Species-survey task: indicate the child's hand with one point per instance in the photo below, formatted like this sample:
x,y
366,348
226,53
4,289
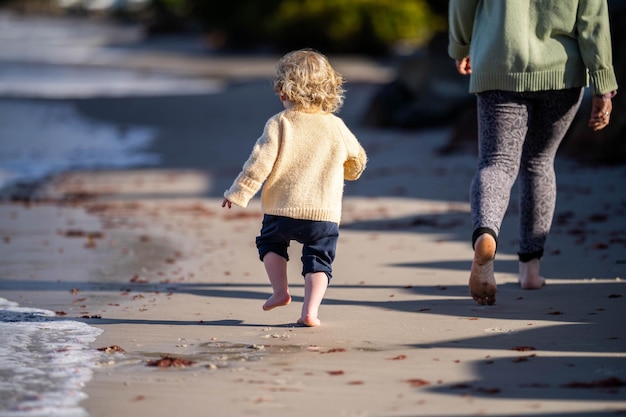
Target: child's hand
x,y
226,202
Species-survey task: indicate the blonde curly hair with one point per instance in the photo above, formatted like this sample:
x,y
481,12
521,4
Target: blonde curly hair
x,y
306,78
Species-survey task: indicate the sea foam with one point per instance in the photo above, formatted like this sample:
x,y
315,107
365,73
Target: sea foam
x,y
45,362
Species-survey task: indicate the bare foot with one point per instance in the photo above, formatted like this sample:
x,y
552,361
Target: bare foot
x,y
277,300
482,282
309,321
529,278
315,284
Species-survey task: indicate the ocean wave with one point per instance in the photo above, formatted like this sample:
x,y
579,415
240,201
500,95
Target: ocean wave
x,y
44,362
44,138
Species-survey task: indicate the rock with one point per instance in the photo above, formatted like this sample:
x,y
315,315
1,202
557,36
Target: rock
x,y
426,92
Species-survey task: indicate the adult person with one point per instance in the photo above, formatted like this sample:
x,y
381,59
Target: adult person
x,y
528,62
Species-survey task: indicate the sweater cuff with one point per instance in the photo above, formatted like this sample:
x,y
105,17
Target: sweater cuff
x,y
242,191
608,96
603,81
458,51
354,167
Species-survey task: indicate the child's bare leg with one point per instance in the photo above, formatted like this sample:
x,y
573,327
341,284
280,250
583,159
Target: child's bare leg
x,y
276,268
482,282
529,278
315,284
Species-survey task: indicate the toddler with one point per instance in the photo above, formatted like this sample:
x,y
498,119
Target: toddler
x,y
301,160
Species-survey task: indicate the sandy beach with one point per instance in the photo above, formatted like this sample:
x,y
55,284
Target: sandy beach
x,y
149,256
179,277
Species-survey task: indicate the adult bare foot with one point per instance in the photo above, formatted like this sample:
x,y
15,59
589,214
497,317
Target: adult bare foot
x,y
309,321
277,300
529,278
482,282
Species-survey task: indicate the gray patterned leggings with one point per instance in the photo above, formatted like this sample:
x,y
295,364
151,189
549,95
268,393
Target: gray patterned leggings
x,y
519,133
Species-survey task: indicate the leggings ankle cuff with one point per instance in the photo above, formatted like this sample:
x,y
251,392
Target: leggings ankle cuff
x,y
527,257
482,231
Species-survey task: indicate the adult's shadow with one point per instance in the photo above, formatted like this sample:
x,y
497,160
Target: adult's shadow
x,y
563,342
554,267
531,376
39,317
454,225
79,288
160,322
582,317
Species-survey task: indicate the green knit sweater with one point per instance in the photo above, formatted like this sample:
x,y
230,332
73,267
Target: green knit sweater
x,y
301,161
533,45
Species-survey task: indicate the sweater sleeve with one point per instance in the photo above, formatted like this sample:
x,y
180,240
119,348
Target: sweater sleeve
x,y
356,158
258,166
594,40
461,24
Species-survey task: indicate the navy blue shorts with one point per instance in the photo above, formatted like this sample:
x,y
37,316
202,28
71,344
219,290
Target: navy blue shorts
x,y
319,240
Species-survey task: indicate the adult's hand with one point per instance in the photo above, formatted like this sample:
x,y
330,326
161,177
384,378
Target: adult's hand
x,y
600,112
463,66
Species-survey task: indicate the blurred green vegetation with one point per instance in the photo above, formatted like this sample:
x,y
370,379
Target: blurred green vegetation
x,y
346,26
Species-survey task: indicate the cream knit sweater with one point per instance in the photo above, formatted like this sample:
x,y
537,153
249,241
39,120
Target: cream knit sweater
x,y
301,160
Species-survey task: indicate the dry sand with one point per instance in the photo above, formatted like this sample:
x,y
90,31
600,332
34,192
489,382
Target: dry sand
x,y
150,257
